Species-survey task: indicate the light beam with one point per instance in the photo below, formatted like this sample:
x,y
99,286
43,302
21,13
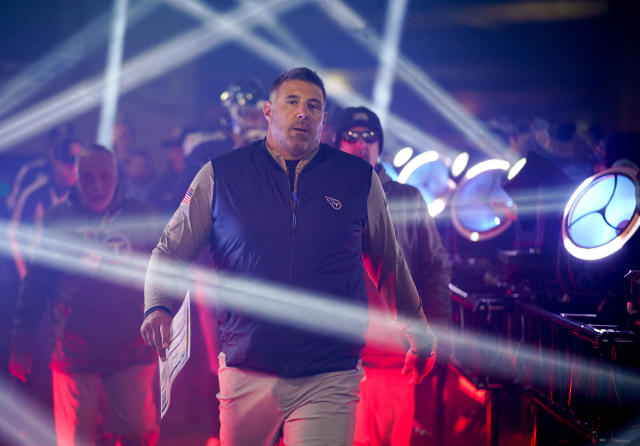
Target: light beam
x,y
504,357
141,69
112,73
415,78
65,56
396,11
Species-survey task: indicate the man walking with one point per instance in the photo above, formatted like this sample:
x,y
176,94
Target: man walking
x,y
97,348
290,211
386,408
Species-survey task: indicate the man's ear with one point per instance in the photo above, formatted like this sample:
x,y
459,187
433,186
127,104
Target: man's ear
x,y
266,110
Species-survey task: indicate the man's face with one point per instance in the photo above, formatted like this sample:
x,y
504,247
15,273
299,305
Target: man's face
x,y
295,112
97,180
353,142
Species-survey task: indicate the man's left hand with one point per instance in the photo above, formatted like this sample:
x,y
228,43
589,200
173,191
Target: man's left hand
x,y
418,366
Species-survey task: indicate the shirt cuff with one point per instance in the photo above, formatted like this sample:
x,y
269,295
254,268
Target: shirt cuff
x,y
157,307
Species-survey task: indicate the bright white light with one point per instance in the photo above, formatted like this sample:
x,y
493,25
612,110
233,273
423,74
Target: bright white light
x,y
150,65
382,89
618,242
336,82
415,78
24,422
112,74
596,253
180,50
444,103
278,30
517,167
485,166
24,425
436,206
294,52
529,201
402,156
403,130
459,164
497,221
503,203
61,59
317,312
414,164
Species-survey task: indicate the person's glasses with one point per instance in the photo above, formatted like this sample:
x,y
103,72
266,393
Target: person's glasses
x,y
368,136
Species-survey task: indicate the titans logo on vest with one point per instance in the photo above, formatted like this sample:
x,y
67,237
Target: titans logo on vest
x,y
333,202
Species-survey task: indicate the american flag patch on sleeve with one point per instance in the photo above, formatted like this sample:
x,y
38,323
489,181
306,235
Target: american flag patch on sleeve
x,y
187,197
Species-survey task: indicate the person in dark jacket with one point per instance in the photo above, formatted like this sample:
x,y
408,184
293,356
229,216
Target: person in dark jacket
x,y
385,412
290,211
96,318
39,185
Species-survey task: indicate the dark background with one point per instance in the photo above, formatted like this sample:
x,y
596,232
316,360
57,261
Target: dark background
x,y
558,60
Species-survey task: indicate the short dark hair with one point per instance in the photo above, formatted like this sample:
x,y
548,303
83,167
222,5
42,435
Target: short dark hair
x,y
301,74
96,148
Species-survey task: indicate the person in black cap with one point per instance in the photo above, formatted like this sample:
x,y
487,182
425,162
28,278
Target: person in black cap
x,y
385,412
40,184
358,132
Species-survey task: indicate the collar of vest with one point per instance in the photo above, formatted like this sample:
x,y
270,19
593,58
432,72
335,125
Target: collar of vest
x,y
316,156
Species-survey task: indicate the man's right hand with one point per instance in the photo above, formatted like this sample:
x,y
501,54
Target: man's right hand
x,y
20,365
155,331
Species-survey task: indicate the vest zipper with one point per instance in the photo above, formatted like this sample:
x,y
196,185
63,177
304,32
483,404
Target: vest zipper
x,y
294,206
294,224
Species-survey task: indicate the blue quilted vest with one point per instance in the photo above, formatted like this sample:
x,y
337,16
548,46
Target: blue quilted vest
x,y
308,241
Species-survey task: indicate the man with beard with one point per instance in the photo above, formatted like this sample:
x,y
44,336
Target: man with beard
x,y
96,316
290,211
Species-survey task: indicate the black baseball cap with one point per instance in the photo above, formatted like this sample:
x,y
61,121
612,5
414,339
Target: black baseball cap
x,y
357,117
67,149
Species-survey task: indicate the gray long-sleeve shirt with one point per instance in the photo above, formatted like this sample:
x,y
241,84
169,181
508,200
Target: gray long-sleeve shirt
x,y
190,228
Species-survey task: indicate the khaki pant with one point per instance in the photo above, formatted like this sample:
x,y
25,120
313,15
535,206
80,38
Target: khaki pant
x,y
129,392
257,408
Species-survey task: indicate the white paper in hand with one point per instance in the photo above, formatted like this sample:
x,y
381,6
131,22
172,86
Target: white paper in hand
x,y
177,353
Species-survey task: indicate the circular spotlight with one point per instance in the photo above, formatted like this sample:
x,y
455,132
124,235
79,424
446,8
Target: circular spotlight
x,y
430,175
402,156
602,214
416,163
486,166
459,164
479,203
